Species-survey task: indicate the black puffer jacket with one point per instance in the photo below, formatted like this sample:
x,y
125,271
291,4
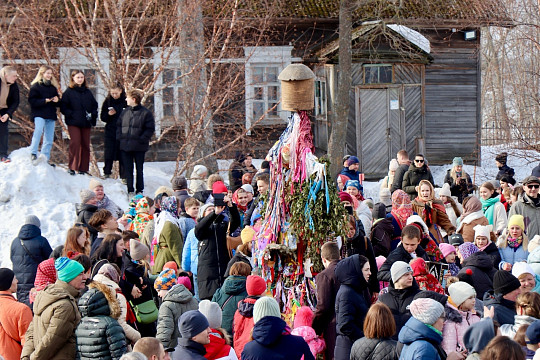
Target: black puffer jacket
x,y
99,335
110,120
84,213
494,254
462,189
412,178
398,254
398,300
505,310
25,265
37,96
12,100
211,232
134,128
483,271
76,103
364,348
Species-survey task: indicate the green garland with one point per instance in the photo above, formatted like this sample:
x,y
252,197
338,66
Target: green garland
x,y
325,226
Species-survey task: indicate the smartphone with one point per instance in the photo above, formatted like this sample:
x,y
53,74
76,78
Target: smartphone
x,y
219,200
111,108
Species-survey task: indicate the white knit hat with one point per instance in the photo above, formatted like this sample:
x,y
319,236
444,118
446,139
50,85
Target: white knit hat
x,y
394,165
460,291
213,313
521,268
445,190
398,269
426,310
483,230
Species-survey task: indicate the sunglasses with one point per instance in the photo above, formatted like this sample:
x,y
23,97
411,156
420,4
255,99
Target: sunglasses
x,y
533,186
418,161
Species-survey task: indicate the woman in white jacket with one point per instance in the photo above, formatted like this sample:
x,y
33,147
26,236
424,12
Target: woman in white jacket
x,y
109,276
492,207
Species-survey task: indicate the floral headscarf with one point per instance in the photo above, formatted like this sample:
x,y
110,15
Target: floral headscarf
x,y
142,218
170,205
401,207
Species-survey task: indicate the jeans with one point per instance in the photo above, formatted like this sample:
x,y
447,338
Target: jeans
x,y
43,127
128,157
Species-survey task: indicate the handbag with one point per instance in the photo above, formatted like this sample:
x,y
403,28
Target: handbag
x,y
232,241
146,312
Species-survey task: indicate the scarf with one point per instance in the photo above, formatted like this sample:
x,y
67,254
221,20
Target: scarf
x,y
4,89
488,207
514,243
235,200
484,247
401,207
471,206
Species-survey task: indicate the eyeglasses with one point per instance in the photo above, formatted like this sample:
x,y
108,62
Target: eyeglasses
x,y
533,186
419,160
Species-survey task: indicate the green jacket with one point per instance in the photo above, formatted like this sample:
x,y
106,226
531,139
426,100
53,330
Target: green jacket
x,y
170,246
228,296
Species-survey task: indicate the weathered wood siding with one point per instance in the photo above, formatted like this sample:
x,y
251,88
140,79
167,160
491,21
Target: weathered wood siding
x,y
452,98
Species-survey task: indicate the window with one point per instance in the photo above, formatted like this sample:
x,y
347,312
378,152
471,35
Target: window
x,y
172,99
91,79
265,91
378,74
320,97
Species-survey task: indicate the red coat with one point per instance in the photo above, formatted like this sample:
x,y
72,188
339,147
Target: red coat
x,y
15,317
217,348
243,325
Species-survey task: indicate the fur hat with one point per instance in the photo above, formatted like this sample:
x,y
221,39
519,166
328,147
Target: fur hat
x,y
398,269
460,291
86,195
394,165
265,306
457,161
445,190
483,230
304,317
446,249
426,310
502,157
192,323
179,182
164,189
94,183
137,250
352,160
219,188
247,234
518,220
32,220
6,278
213,313
255,285
165,280
504,282
467,249
521,268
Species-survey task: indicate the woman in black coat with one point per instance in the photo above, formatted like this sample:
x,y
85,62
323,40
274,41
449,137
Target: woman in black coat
x,y
110,112
44,99
379,327
352,303
211,232
134,129
80,111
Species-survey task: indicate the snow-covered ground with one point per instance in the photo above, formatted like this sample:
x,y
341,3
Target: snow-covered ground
x,y
51,193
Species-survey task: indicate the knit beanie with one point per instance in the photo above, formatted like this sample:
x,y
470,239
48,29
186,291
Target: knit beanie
x,y
502,157
255,285
110,272
466,276
460,291
137,250
521,268
446,249
86,195
184,280
32,220
165,280
265,306
304,317
94,183
455,239
504,282
202,210
247,234
192,323
247,188
398,269
343,196
380,261
67,269
457,161
484,230
171,265
353,183
352,160
467,249
164,189
394,165
6,278
179,182
213,313
378,211
385,196
518,220
426,310
219,188
445,190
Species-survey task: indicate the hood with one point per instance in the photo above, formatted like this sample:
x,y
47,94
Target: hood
x,y
414,330
234,285
453,314
349,272
245,307
99,300
490,298
60,290
105,280
29,231
268,330
534,256
85,207
478,335
178,294
418,266
523,320
480,260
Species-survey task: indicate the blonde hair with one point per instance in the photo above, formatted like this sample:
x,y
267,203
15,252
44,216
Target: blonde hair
x,y
506,234
39,76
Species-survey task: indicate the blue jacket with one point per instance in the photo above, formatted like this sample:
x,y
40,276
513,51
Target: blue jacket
x,y
272,340
190,253
186,223
25,265
188,349
421,342
353,175
512,256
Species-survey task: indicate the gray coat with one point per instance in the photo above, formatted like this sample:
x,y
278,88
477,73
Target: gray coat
x,y
177,301
378,349
525,206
